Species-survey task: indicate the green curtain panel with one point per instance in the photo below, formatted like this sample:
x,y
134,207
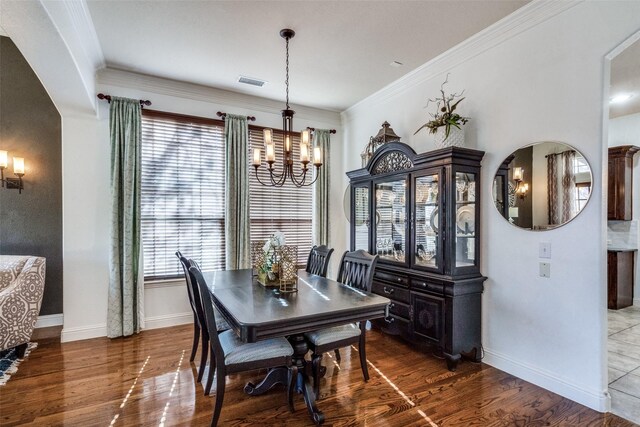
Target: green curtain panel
x,y
125,302
322,139
237,237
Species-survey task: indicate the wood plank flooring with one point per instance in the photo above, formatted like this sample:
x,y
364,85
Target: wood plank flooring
x,y
147,380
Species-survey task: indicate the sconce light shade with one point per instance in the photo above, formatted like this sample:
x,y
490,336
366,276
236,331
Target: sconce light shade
x,y
18,165
518,173
18,170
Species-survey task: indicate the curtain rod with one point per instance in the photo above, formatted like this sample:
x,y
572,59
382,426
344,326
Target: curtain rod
x,y
330,130
223,115
143,102
562,152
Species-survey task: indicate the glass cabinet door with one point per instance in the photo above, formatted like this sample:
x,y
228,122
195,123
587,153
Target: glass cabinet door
x,y
390,220
465,219
361,218
427,221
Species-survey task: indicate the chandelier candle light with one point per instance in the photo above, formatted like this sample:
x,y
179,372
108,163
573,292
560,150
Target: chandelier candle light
x,y
279,179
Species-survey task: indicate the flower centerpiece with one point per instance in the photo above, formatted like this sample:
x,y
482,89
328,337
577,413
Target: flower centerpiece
x,y
269,263
446,123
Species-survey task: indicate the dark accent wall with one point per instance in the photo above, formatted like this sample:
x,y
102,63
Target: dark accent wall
x,y
30,127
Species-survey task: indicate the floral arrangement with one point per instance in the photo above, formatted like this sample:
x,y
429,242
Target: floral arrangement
x,y
445,112
269,266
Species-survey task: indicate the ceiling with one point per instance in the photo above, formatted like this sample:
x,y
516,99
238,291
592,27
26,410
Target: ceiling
x,y
625,78
340,54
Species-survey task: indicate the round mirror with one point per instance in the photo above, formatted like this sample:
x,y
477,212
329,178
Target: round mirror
x,y
542,186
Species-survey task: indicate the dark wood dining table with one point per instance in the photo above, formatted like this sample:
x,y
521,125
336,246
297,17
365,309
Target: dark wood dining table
x,y
256,312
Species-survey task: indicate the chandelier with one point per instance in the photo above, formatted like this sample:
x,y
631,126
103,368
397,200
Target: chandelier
x,y
278,179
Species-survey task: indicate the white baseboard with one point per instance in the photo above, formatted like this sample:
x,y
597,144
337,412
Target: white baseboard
x,y
594,399
636,302
97,331
83,333
49,320
168,320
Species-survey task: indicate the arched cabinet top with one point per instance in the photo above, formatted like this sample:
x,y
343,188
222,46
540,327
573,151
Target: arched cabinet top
x,y
392,157
398,156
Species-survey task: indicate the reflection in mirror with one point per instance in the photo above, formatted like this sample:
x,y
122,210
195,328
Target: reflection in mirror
x,y
542,186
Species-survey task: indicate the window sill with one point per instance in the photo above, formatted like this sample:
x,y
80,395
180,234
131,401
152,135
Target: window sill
x,y
163,283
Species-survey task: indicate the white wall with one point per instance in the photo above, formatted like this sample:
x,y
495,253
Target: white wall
x,y
86,153
625,130
539,79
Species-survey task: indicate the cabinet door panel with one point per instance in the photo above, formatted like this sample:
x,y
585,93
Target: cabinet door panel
x,y
427,221
391,220
428,316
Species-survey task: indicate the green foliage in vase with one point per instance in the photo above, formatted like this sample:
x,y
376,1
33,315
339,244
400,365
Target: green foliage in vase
x,y
445,112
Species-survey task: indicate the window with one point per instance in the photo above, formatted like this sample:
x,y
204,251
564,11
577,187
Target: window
x,y
582,194
183,193
288,208
582,173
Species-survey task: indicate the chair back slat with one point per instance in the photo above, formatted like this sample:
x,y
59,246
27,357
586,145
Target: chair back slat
x,y
318,261
192,289
356,269
207,307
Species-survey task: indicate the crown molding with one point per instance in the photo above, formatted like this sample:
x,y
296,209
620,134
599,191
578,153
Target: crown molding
x,y
528,16
195,92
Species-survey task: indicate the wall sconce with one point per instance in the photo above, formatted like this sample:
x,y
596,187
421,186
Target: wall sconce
x,y
522,188
18,170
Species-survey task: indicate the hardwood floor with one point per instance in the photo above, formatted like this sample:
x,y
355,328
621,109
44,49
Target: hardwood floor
x,y
147,380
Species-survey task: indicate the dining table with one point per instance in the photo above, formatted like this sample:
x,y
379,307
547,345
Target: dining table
x,y
256,312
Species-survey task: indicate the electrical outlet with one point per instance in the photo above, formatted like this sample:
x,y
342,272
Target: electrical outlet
x,y
545,250
545,269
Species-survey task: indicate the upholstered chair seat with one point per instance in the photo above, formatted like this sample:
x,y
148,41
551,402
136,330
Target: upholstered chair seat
x,y
330,335
235,351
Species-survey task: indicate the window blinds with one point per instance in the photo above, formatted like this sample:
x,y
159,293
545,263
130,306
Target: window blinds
x,y
288,208
182,193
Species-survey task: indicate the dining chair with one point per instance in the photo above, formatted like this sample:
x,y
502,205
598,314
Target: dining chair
x,y
233,356
199,322
318,261
356,270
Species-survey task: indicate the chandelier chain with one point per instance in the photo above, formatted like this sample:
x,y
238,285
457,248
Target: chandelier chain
x,y
286,82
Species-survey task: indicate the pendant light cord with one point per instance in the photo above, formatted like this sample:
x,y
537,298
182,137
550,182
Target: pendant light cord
x,y
286,82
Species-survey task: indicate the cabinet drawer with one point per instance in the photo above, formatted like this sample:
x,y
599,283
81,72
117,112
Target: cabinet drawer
x,y
424,285
393,320
397,279
399,309
391,291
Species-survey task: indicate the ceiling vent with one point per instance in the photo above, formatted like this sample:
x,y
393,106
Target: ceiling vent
x,y
250,81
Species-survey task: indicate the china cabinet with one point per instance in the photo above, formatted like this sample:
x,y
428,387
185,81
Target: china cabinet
x,y
421,214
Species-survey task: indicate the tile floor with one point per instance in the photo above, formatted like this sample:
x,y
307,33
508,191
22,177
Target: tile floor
x,y
624,362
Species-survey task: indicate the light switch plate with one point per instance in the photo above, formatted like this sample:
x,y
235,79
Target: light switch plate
x,y
545,269
545,250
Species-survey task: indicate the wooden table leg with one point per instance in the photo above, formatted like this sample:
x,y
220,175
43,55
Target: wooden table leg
x,y
303,383
275,376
